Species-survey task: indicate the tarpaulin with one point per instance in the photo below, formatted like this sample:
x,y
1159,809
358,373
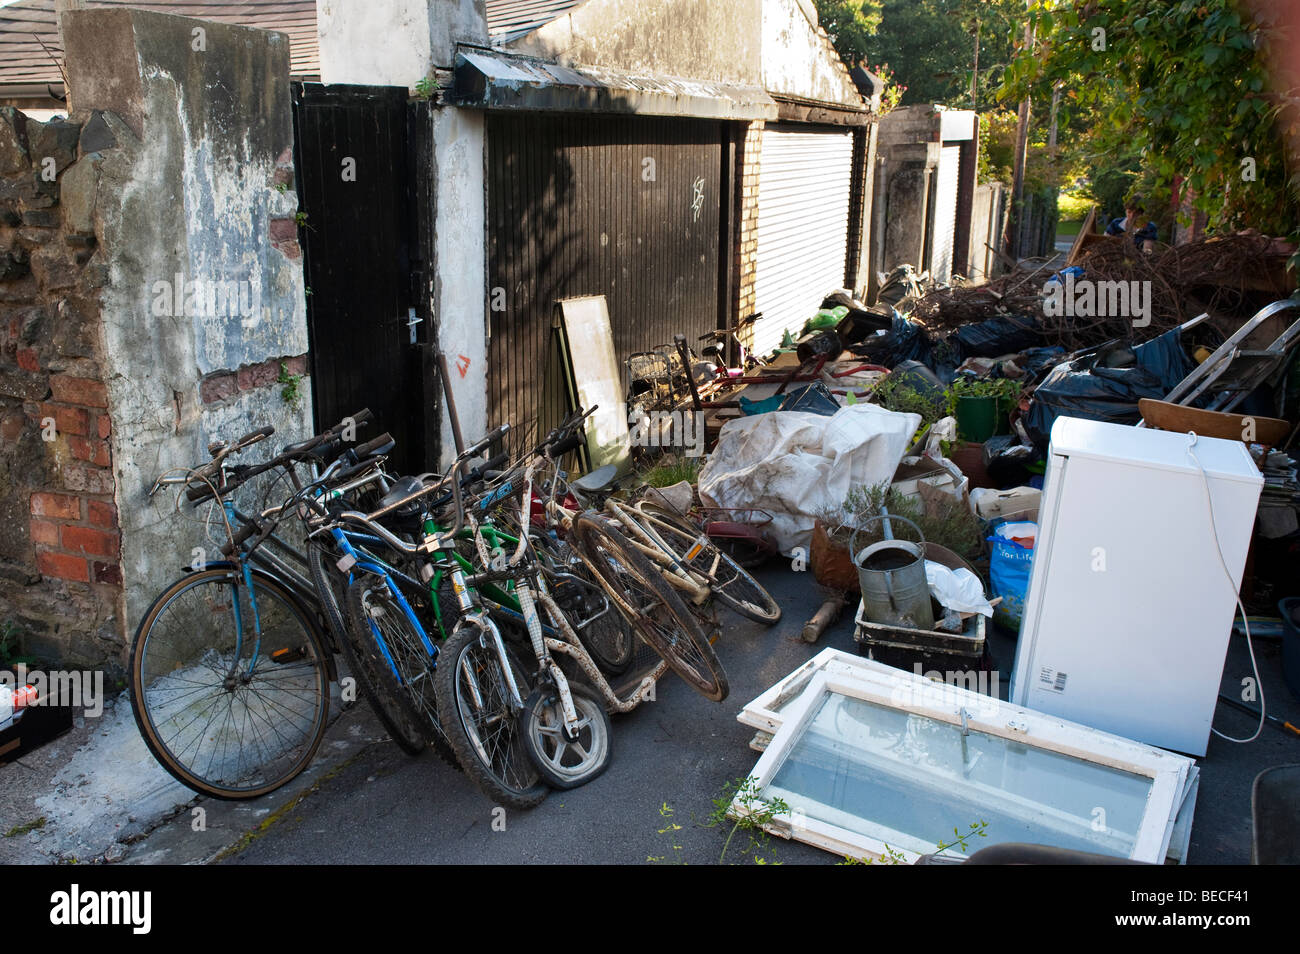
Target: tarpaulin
x,y
796,465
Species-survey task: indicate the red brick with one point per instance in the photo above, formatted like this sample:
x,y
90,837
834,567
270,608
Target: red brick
x,y
27,359
85,391
258,375
88,480
296,365
67,420
107,573
94,451
290,250
63,566
284,230
103,425
101,513
90,541
218,387
61,506
45,533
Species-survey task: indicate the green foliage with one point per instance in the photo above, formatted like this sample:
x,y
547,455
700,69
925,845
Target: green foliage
x,y
755,814
424,89
32,825
960,840
850,25
1073,206
894,394
947,521
290,390
673,470
10,636
1006,390
1181,85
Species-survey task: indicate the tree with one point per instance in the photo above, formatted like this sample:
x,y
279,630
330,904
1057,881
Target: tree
x,y
850,25
1183,85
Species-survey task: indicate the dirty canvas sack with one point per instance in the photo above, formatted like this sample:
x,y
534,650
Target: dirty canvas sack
x,y
796,465
1011,557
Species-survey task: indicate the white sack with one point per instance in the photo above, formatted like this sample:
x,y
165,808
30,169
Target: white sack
x,y
794,464
959,589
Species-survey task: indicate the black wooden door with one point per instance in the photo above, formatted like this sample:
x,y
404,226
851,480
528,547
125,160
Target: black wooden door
x,y
631,208
366,258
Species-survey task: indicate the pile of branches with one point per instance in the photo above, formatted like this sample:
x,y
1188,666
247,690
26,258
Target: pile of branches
x,y
1228,277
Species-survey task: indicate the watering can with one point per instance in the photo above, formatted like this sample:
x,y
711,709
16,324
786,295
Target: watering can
x,y
892,575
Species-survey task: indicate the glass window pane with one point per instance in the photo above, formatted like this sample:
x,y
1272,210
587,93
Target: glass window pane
x,y
861,766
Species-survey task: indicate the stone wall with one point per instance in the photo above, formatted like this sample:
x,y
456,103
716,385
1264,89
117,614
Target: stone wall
x,y
151,300
60,572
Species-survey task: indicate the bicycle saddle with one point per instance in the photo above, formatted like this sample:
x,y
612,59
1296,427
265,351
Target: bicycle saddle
x,y
406,517
599,479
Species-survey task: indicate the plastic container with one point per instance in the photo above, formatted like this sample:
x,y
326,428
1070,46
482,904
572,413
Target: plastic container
x,y
1289,609
977,418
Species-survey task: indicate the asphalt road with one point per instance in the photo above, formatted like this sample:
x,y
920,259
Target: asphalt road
x,y
677,754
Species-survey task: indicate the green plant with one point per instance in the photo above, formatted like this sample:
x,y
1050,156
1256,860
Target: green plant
x,y
894,394
893,856
424,89
290,390
301,219
755,813
282,187
670,828
10,634
1006,390
24,829
673,470
945,520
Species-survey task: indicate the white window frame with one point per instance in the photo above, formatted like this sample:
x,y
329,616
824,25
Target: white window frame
x,y
880,685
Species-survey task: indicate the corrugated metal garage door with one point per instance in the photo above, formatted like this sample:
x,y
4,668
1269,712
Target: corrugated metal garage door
x,y
625,207
804,184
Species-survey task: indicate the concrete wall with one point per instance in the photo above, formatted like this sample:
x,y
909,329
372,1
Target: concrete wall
x,y
798,58
194,213
394,42
717,40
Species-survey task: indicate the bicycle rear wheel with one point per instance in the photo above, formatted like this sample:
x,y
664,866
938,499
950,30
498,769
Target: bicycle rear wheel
x,y
651,605
730,582
224,712
390,648
331,590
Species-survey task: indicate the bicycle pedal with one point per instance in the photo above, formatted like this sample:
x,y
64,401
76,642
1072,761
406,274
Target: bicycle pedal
x,y
288,654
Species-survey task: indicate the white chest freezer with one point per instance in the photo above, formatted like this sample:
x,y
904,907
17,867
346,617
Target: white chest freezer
x,y
1129,610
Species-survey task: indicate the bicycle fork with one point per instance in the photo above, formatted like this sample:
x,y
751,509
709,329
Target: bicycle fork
x,y
473,615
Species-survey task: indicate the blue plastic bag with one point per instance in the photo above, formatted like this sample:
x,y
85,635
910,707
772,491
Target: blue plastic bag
x,y
1009,566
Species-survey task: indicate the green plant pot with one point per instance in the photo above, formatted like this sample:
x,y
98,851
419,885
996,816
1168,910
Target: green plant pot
x,y
977,418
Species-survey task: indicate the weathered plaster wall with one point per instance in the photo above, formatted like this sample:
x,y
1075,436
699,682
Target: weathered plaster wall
x,y
461,294
798,59
393,42
704,39
195,214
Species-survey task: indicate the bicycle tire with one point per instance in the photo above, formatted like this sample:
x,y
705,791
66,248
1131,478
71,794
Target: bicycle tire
x,y
331,591
373,615
610,640
487,740
542,727
636,585
731,583
181,670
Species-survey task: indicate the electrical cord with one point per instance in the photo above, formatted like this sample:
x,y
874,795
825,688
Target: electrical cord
x,y
1245,622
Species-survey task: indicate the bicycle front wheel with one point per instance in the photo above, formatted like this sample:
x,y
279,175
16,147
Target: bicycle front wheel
x,y
651,605
731,583
224,711
482,721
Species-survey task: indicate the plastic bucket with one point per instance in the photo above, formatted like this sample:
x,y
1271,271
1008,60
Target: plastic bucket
x,y
977,418
891,574
1289,608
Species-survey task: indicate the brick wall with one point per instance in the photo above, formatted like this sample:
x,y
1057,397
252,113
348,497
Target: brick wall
x,y
750,155
60,573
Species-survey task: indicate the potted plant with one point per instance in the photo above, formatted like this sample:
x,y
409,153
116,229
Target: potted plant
x,y
982,406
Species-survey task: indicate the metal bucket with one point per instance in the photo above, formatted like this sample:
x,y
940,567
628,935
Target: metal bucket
x,y
892,575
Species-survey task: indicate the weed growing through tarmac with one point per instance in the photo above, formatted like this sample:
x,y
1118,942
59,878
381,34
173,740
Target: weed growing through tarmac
x,y
757,812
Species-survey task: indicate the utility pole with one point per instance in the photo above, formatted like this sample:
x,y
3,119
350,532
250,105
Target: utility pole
x,y
975,70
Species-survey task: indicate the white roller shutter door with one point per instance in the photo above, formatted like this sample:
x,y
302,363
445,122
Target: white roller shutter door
x,y
804,185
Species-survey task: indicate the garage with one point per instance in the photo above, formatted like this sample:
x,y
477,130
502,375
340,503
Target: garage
x,y
804,193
